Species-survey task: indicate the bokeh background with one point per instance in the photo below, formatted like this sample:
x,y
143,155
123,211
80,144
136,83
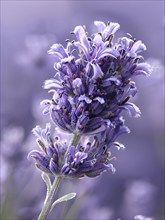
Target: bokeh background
x,y
28,29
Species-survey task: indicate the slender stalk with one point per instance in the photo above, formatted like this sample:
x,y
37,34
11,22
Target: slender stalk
x,y
49,200
75,139
74,142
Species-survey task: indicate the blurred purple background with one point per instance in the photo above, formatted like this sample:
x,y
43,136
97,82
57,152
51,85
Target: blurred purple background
x,y
28,29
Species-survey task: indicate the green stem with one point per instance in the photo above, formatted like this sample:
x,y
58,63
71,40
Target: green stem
x,y
49,200
75,139
74,142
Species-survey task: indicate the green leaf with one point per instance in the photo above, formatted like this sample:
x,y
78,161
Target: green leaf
x,y
64,199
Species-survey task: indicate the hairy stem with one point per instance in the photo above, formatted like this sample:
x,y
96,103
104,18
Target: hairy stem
x,y
49,199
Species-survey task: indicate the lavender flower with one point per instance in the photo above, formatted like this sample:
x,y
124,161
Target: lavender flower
x,y
90,90
138,198
34,53
93,86
90,158
89,94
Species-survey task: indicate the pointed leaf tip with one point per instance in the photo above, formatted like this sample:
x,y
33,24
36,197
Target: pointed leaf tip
x,y
64,199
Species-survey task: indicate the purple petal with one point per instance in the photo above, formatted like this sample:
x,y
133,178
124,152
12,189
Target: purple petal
x,y
95,125
100,99
51,151
97,72
56,117
46,110
115,80
98,40
112,168
37,131
126,43
138,47
91,88
42,162
82,120
97,170
35,154
132,109
120,131
79,32
100,26
83,48
80,157
97,107
45,102
72,151
42,133
119,145
52,83
47,106
67,59
142,69
76,83
110,29
53,167
107,52
82,38
58,50
79,109
85,98
65,169
86,166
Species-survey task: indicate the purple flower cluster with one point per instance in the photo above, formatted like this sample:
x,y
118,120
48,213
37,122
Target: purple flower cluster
x,y
94,85
91,88
88,158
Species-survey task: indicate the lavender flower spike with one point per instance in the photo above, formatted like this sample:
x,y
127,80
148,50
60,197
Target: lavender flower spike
x,y
91,88
94,86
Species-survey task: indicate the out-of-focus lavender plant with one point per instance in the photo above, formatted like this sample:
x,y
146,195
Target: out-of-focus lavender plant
x,y
91,88
139,198
11,140
14,140
34,53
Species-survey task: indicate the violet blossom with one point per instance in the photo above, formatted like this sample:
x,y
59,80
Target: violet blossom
x,y
91,88
89,94
90,159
